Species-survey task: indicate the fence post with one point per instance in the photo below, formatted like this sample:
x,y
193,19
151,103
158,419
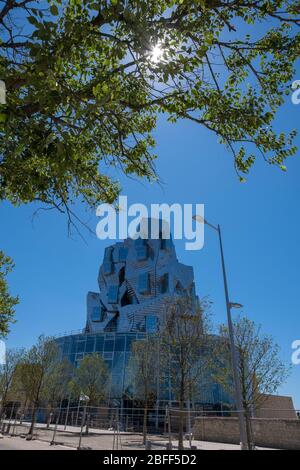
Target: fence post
x,y
3,422
78,407
82,424
117,436
66,420
88,416
169,428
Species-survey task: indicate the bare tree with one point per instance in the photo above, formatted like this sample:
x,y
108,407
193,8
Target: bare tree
x,y
261,369
57,386
7,371
143,366
90,379
33,374
184,339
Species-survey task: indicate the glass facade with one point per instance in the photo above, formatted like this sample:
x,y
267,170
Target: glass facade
x,y
96,314
122,254
114,348
144,283
108,267
151,324
112,296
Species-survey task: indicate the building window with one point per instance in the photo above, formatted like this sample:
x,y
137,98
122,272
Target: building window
x,y
144,283
126,299
138,242
80,346
108,253
193,290
141,249
107,268
122,275
166,244
109,345
112,295
107,263
66,347
99,344
96,314
164,283
151,323
142,253
90,344
118,361
120,343
108,356
122,254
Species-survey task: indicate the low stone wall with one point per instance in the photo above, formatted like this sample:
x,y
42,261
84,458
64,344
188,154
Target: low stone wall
x,y
273,433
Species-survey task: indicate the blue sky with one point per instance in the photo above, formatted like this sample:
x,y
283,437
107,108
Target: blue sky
x,y
260,221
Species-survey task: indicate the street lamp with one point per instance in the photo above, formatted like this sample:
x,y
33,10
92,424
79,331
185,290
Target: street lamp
x,y
229,306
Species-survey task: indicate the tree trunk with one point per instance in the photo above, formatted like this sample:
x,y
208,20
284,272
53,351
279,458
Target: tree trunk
x,y
248,428
181,420
48,419
145,424
33,420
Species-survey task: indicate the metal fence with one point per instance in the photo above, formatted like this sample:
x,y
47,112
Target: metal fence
x,y
116,428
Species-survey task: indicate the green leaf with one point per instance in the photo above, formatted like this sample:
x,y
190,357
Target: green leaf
x,y
54,10
32,20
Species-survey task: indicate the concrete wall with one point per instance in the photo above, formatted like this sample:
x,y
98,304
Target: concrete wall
x,y
273,433
276,406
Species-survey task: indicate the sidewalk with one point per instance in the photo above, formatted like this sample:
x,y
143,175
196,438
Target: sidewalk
x,y
17,443
107,439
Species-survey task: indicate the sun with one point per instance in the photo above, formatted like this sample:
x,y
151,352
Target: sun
x,y
156,52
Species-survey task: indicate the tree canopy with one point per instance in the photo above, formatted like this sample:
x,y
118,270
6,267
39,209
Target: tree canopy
x,y
87,79
261,368
91,379
7,301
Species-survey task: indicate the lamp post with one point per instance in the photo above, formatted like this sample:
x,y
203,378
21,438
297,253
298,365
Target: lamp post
x,y
234,359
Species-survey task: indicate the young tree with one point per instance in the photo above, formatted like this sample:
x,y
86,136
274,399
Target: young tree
x,y
90,379
142,377
13,358
260,367
57,385
37,369
184,345
86,80
7,302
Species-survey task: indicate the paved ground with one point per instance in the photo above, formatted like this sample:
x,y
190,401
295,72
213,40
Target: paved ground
x,y
17,443
97,439
127,442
